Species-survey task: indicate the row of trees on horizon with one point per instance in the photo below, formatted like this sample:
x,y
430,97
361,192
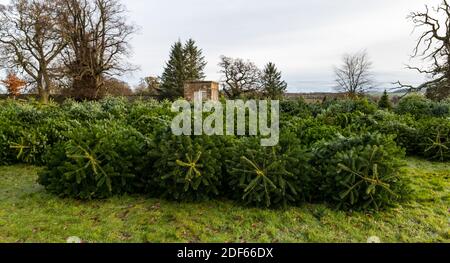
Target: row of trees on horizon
x,y
79,48
240,78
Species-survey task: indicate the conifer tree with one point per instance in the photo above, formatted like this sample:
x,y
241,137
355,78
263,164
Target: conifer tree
x,y
185,63
384,102
273,86
173,77
195,61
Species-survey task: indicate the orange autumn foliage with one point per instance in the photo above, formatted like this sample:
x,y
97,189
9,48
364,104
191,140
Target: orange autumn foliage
x,y
13,84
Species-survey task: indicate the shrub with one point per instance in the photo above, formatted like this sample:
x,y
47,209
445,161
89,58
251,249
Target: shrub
x,y
150,116
29,130
416,105
23,114
97,161
434,138
84,111
22,144
348,106
185,168
309,130
359,172
352,114
440,109
4,148
268,176
30,146
341,119
7,131
115,107
402,127
297,107
420,107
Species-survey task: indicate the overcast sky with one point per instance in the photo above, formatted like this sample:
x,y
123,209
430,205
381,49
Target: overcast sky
x,y
304,38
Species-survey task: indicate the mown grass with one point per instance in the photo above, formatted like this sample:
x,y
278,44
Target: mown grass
x,y
29,214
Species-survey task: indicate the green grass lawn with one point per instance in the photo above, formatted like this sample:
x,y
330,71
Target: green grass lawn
x,y
29,214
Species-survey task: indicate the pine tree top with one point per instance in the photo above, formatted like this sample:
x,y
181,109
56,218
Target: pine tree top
x,y
186,63
273,85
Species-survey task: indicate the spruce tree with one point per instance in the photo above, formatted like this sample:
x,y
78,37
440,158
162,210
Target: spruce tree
x,y
173,77
384,102
195,62
273,86
185,63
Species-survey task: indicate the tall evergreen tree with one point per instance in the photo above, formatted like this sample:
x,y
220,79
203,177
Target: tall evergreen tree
x,y
185,63
384,102
273,86
173,76
195,61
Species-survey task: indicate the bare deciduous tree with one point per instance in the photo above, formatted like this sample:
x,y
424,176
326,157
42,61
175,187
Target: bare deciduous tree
x,y
97,34
116,88
149,86
30,41
353,76
240,77
433,45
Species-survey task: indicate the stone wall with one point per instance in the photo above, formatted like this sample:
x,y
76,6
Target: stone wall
x,y
210,90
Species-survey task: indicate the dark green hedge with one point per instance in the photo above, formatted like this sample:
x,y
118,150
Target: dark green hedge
x,y
345,153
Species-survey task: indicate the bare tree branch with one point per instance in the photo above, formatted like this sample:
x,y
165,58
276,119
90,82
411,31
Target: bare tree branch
x,y
353,76
240,77
30,41
433,45
97,33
